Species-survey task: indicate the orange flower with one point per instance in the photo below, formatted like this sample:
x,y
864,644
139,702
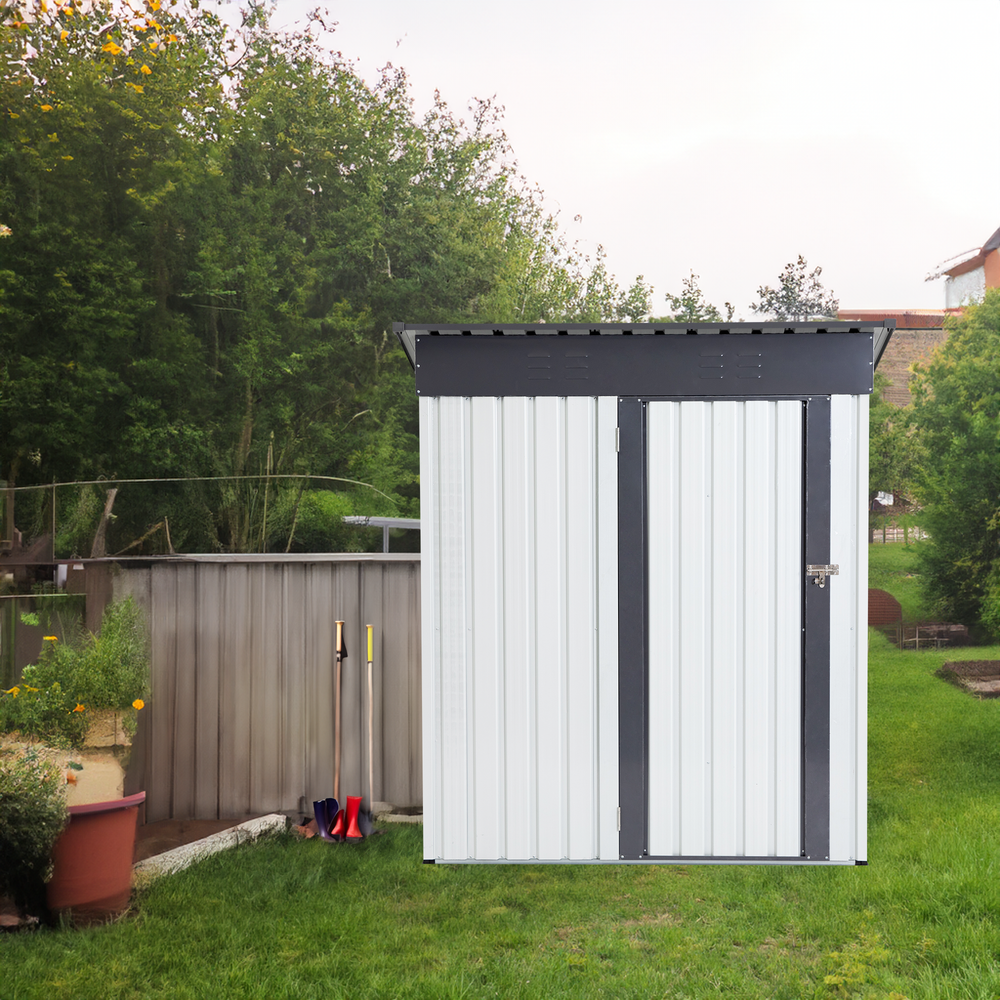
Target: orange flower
x,y
138,704
51,638
79,708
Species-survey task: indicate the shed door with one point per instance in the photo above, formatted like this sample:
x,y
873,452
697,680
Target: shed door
x,y
728,742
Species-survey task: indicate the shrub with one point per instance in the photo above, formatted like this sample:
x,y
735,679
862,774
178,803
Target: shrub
x,y
48,712
114,667
32,815
109,670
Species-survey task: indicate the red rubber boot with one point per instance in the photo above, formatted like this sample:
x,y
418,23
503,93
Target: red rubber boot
x,y
353,830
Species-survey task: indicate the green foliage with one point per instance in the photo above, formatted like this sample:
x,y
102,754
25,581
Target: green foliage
x,y
691,306
312,521
32,815
114,664
800,296
892,454
109,670
44,704
956,417
43,709
205,257
895,568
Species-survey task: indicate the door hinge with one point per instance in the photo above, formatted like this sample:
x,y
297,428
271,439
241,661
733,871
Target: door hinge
x,y
820,572
618,439
619,819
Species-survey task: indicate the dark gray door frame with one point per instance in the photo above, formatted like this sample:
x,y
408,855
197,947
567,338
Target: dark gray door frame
x,y
633,630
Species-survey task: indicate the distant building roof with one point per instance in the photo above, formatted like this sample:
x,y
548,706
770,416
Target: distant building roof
x,y
906,319
966,261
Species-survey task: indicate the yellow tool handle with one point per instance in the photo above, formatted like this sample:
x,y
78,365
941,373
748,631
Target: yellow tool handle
x,y
340,636
370,630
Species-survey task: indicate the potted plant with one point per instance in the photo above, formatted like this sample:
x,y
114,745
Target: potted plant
x,y
32,816
92,856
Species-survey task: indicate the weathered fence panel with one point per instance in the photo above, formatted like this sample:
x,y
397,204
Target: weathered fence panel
x,y
241,716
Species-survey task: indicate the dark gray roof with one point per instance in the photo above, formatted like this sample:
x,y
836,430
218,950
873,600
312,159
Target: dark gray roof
x,y
881,330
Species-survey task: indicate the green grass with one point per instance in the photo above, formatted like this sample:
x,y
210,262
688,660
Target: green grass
x,y
290,918
893,567
305,919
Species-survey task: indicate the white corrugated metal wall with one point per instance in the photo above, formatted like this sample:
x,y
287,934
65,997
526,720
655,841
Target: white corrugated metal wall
x,y
520,589
725,628
519,586
849,628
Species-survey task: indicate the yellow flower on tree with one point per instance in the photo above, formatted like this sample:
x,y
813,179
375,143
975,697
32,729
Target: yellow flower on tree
x,y
51,638
13,691
145,69
112,48
138,704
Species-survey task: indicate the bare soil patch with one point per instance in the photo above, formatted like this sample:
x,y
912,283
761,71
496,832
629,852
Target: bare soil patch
x,y
979,677
95,773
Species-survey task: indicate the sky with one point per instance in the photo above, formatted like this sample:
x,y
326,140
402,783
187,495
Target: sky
x,y
726,137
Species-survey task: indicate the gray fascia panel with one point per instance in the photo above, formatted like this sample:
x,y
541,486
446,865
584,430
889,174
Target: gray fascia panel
x,y
407,333
808,363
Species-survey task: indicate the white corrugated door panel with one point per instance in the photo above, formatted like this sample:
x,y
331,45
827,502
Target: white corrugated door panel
x,y
513,678
606,546
520,813
549,503
484,604
430,635
788,584
579,671
444,582
725,572
848,626
727,567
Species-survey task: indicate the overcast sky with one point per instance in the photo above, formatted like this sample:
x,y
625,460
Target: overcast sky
x,y
727,136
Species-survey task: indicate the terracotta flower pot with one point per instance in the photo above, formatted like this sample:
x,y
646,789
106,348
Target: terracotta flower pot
x,y
93,860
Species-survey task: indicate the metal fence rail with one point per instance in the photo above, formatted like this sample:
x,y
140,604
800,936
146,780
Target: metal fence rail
x,y
240,720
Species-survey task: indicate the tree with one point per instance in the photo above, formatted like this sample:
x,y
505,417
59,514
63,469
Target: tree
x,y
956,416
207,234
691,306
799,296
891,452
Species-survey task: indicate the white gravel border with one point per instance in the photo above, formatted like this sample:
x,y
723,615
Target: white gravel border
x,y
182,857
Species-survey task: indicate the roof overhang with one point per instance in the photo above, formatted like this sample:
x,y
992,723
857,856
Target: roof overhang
x,y
636,359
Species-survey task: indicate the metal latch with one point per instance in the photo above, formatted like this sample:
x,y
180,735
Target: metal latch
x,y
822,572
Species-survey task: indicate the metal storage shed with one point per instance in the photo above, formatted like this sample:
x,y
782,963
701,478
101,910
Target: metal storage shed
x,y
644,591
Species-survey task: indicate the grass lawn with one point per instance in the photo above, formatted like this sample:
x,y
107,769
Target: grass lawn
x,y
893,567
304,919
